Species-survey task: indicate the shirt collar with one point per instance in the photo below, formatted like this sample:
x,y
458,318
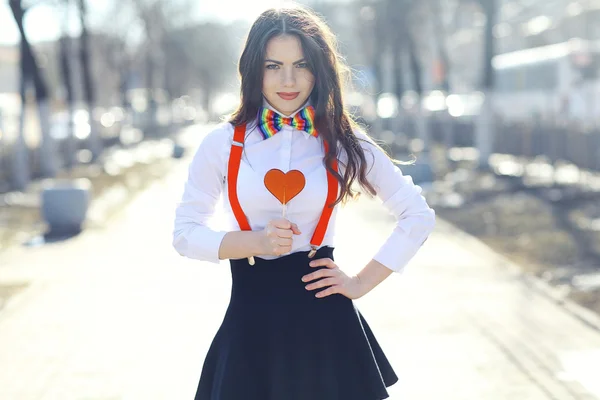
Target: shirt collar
x,y
266,104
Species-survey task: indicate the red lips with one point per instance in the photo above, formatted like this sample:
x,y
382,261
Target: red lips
x,y
288,95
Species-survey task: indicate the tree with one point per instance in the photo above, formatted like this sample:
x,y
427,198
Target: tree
x,y
30,72
484,129
214,59
402,31
439,33
89,90
65,56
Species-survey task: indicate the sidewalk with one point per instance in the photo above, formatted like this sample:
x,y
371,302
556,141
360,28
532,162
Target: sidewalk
x,y
116,314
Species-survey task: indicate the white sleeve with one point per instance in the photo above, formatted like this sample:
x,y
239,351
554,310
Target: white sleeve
x,y
191,236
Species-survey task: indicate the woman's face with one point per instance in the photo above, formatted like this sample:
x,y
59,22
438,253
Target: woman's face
x,y
287,80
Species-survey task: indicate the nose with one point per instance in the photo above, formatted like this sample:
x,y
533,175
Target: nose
x,y
288,77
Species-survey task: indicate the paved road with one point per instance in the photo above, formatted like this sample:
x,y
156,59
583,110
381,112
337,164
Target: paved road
x,y
116,314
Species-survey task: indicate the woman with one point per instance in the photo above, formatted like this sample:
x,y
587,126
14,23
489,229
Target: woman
x,y
291,331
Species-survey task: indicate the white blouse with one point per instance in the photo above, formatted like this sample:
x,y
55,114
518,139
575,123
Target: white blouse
x,y
290,149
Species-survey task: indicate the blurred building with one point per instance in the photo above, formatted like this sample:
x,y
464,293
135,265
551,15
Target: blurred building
x,y
535,23
520,25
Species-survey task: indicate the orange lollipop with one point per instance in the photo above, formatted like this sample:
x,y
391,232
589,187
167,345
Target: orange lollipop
x,y
284,186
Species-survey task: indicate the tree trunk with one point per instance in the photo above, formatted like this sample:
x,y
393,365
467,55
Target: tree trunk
x,y
444,66
397,60
440,45
415,66
48,162
485,128
65,69
207,95
20,173
31,71
124,75
380,45
377,63
417,75
89,91
150,120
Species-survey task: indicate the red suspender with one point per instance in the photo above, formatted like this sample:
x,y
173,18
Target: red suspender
x,y
235,158
332,192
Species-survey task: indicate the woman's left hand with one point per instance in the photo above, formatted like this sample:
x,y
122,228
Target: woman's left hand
x,y
335,278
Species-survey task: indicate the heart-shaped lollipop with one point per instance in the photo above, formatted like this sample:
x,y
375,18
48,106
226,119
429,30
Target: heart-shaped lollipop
x,y
284,186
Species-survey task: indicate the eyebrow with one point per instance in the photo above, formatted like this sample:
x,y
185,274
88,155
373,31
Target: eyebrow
x,y
280,63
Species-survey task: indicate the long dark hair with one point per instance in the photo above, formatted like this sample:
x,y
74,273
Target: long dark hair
x,y
320,51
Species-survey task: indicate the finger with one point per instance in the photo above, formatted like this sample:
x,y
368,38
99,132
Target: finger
x,y
284,242
284,233
282,223
321,283
279,250
322,273
323,262
283,250
296,230
329,291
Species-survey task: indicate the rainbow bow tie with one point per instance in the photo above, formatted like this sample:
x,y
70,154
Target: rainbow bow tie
x,y
269,122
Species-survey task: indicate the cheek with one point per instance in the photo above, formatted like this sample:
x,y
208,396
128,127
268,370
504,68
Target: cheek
x,y
308,78
269,80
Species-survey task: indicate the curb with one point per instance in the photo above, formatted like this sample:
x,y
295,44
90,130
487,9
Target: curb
x,y
588,317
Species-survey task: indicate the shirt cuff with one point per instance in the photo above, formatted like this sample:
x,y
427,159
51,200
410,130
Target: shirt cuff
x,y
200,243
396,252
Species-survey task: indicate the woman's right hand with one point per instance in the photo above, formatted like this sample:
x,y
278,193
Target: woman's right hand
x,y
277,237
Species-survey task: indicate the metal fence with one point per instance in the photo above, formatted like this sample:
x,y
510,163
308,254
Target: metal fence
x,y
570,143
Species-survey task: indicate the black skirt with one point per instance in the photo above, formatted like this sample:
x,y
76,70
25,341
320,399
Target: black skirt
x,y
280,342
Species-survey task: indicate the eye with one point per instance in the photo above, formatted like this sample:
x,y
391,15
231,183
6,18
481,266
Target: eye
x,y
272,66
302,65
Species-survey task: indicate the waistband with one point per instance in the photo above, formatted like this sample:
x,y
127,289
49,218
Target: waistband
x,y
299,257
278,280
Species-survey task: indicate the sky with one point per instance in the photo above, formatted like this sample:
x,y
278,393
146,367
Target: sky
x,y
42,22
